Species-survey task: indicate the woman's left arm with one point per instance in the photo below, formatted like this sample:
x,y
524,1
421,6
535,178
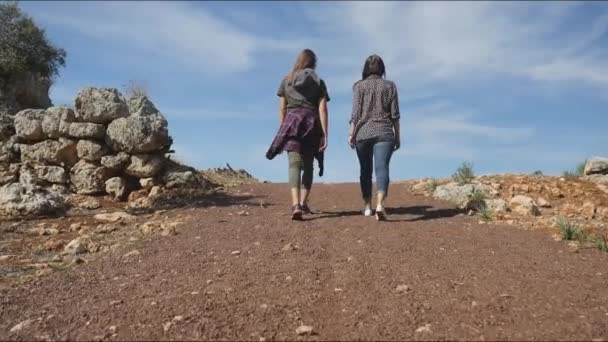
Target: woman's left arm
x,y
324,122
395,116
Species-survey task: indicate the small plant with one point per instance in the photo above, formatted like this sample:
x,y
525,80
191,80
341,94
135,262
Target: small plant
x,y
464,174
569,175
431,185
537,173
569,229
135,89
485,214
580,169
601,244
477,201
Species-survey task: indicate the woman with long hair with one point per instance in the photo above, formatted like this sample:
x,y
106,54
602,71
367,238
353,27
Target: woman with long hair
x,y
303,127
374,131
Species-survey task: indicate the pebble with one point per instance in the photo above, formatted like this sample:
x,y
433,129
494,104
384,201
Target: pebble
x,y
5,257
424,329
178,319
288,278
22,325
114,217
289,247
264,306
304,330
132,253
403,288
167,326
235,252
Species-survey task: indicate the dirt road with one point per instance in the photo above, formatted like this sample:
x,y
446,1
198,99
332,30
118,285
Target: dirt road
x,y
249,273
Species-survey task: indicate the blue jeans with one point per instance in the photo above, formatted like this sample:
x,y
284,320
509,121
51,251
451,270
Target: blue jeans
x,y
378,152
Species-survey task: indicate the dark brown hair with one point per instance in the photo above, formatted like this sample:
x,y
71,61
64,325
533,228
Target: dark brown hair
x,y
373,66
305,59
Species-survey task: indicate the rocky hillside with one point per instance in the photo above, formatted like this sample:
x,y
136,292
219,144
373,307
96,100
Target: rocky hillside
x,y
554,204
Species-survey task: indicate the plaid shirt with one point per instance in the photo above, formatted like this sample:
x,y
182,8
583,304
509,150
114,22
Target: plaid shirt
x,y
300,132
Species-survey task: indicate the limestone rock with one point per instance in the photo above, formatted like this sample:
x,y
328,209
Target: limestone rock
x,y
179,176
9,173
457,194
56,122
100,105
141,106
7,126
51,174
88,178
146,183
75,247
26,200
497,205
116,187
155,191
51,152
116,162
28,125
596,165
91,150
114,217
86,130
543,203
524,205
588,210
9,150
145,165
597,178
139,134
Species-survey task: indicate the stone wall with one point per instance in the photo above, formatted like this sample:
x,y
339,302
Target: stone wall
x,y
106,145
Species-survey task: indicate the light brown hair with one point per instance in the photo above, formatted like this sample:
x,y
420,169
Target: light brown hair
x,y
305,59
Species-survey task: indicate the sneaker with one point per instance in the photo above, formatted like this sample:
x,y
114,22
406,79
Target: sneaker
x,y
306,210
380,214
368,211
296,213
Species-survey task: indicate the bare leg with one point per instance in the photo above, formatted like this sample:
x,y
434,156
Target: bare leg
x,y
305,194
380,201
295,196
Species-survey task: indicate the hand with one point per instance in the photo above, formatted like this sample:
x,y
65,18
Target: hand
x,y
397,144
351,141
323,144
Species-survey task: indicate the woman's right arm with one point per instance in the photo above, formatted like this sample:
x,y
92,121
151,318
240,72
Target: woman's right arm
x,y
395,116
282,109
355,115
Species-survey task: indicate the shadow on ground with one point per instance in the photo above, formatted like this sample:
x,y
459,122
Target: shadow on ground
x,y
423,213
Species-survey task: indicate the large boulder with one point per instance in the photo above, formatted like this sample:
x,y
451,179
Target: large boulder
x,y
9,150
88,178
497,205
176,175
596,165
7,126
524,205
56,122
91,150
456,194
116,163
141,106
51,174
144,131
28,125
145,165
19,200
86,130
100,105
51,152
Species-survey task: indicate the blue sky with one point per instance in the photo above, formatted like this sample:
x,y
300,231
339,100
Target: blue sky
x,y
513,87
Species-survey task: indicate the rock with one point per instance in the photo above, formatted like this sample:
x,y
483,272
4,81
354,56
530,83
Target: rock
x,y
595,165
588,210
137,195
9,173
497,205
75,247
403,288
424,329
524,205
87,130
145,165
56,122
83,202
28,125
9,150
155,191
51,174
132,253
116,162
91,150
304,330
289,247
138,134
543,203
114,217
100,105
7,126
116,187
51,152
597,178
88,178
19,200
569,210
22,325
573,247
146,183
456,194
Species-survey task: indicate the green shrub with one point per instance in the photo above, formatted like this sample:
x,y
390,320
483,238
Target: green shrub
x,y
485,214
601,244
24,47
537,173
464,174
580,169
431,185
569,230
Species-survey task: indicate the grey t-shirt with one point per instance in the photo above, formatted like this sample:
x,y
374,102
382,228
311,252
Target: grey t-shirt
x,y
309,98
